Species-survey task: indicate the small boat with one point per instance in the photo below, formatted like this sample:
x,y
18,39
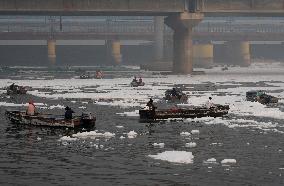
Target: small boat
x,y
225,68
261,97
17,90
137,84
179,96
86,120
147,115
85,76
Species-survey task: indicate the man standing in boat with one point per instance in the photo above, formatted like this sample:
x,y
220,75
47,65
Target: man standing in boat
x,y
152,108
209,103
151,105
68,113
31,109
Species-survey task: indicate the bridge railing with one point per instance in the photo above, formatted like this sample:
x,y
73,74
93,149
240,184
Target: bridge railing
x,y
124,27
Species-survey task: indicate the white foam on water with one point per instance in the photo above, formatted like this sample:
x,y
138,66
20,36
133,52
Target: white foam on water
x,y
182,157
121,94
57,106
228,161
132,134
160,145
12,104
195,132
245,123
211,160
185,134
129,114
190,145
93,135
67,138
119,126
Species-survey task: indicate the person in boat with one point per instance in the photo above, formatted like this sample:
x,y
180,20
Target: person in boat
x,y
151,105
68,113
31,109
99,74
209,103
12,87
135,80
175,93
140,81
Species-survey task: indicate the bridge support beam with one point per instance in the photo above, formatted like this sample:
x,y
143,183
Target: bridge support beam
x,y
203,55
183,50
51,51
159,38
238,53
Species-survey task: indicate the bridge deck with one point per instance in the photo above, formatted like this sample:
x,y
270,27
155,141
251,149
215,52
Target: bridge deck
x,y
142,7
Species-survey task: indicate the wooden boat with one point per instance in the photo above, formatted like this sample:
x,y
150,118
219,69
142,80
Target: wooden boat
x,y
85,76
261,97
17,90
137,84
179,98
86,120
191,112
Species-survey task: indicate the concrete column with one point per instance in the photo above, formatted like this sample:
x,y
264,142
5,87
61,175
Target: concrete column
x,y
239,52
203,55
116,52
183,51
159,38
51,51
113,52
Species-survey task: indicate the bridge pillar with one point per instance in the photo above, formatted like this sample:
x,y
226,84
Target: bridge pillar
x,y
183,51
239,52
116,52
203,55
159,38
51,51
113,48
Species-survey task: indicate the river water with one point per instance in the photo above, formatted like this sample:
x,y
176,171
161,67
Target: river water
x,y
122,150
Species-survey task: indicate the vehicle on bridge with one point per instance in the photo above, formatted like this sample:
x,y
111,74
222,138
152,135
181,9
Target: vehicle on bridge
x,y
261,97
86,120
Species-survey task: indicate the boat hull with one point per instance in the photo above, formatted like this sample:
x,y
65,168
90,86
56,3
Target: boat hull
x,y
194,112
18,117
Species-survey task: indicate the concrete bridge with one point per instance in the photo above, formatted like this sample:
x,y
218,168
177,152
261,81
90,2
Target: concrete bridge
x,y
182,16
142,7
117,29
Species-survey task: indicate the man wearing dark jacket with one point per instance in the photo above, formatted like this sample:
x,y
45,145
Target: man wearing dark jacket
x,y
68,113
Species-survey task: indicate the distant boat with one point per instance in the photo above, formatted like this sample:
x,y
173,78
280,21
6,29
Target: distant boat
x,y
261,97
86,120
17,90
180,97
137,84
85,76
